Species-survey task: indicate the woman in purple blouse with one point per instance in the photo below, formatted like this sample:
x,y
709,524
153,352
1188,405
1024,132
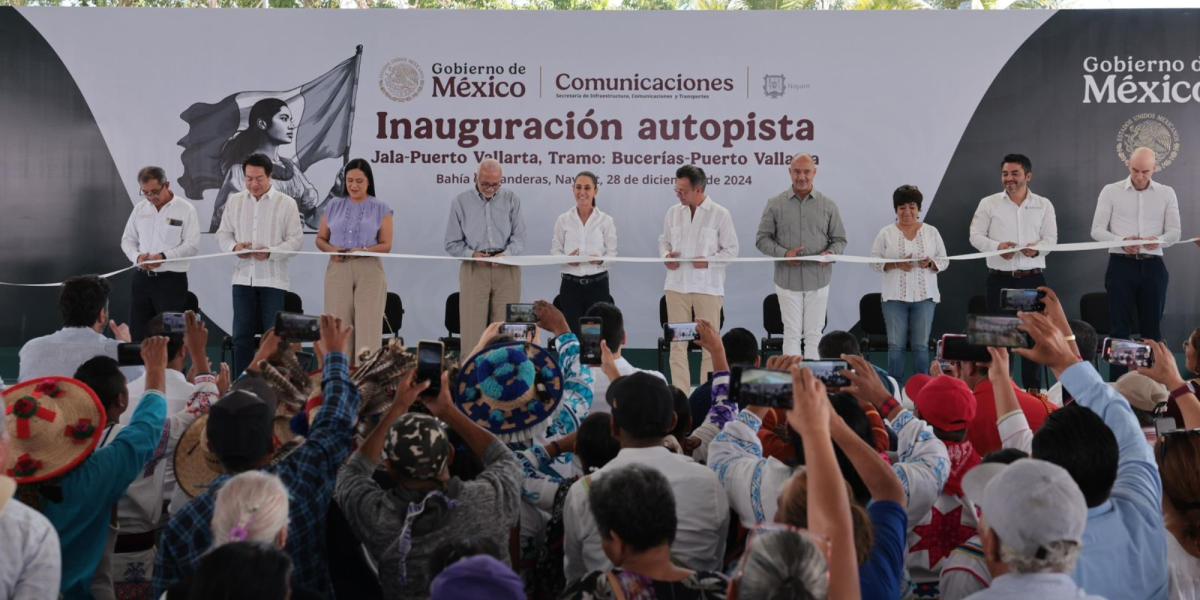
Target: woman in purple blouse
x,y
355,286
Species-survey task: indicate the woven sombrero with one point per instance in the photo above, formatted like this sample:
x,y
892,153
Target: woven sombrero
x,y
54,423
195,465
511,389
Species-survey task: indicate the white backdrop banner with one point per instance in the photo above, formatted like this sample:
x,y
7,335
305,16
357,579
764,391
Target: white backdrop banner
x,y
882,99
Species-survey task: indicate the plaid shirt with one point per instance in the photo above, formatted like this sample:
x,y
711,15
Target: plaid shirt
x,y
309,474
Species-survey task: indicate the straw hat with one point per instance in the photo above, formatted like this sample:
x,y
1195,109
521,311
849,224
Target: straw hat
x,y
54,424
510,389
195,465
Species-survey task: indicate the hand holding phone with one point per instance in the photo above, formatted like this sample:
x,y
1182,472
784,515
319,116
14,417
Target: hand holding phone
x,y
1127,353
429,365
590,338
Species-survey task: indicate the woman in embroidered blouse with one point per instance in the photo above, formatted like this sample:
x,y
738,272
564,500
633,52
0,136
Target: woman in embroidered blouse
x,y
910,290
356,286
269,126
583,231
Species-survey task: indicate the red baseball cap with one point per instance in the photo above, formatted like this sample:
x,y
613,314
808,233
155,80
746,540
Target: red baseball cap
x,y
944,402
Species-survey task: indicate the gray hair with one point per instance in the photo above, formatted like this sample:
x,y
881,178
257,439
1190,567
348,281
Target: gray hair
x,y
1060,557
1140,150
152,172
783,565
489,164
250,507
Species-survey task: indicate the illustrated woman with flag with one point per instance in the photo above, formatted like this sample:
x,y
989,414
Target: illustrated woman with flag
x,y
270,125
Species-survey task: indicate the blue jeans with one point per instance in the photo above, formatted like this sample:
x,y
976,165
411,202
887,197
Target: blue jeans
x,y
908,325
254,311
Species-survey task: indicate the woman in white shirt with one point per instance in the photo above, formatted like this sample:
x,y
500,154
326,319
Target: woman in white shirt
x,y
910,289
583,231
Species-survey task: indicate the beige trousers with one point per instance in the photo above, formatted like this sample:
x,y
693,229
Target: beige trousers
x,y
679,310
355,292
483,287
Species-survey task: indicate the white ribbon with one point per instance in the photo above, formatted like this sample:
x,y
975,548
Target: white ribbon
x,y
544,260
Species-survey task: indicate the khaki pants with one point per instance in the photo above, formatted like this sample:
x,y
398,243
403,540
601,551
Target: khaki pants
x,y
679,310
483,287
355,292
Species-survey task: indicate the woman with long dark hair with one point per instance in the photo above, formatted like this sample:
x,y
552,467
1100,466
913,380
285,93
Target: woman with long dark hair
x,y
356,286
583,231
269,126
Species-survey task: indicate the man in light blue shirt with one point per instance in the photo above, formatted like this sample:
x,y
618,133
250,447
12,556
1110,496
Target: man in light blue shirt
x,y
485,221
1099,442
83,304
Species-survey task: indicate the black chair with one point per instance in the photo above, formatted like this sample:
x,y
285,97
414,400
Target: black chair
x,y
393,314
871,323
977,305
452,341
664,347
773,324
1093,310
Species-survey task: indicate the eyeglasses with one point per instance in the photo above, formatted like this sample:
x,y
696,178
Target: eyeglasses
x,y
152,193
489,186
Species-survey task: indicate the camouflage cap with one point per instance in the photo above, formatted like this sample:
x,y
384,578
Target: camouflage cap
x,y
418,446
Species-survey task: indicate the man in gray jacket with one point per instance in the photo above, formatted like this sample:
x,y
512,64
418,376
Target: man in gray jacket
x,y
801,222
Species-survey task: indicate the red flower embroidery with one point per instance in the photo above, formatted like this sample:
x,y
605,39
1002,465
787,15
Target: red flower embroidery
x,y
25,409
48,388
81,431
25,466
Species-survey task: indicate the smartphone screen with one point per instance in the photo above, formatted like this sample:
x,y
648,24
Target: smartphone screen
x,y
828,371
590,332
954,346
1127,353
174,323
296,327
522,331
1021,300
520,313
996,332
429,364
680,332
761,387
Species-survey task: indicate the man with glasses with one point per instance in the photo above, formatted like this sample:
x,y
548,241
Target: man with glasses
x,y
161,227
485,221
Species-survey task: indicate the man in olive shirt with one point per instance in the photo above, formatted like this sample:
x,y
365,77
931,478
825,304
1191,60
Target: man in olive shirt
x,y
801,222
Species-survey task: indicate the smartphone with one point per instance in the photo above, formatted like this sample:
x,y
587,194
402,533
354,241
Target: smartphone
x,y
680,332
295,327
760,387
1022,300
518,330
954,347
829,371
520,313
997,332
129,355
429,365
590,338
1127,353
943,363
174,323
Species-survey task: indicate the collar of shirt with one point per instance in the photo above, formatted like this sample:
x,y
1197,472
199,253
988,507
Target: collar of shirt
x,y
78,333
1128,185
649,455
266,194
1030,198
812,194
595,218
1034,585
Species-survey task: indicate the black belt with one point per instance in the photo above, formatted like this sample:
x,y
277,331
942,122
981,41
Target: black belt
x,y
135,542
146,273
1017,274
586,280
1137,256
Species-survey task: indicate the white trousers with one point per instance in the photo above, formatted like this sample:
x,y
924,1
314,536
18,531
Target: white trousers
x,y
803,320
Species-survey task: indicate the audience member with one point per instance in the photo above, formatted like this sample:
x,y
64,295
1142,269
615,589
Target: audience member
x,y
1098,441
836,344
402,527
642,416
31,563
179,387
239,432
83,305
480,576
741,349
140,510
1178,454
635,513
243,571
251,507
75,488
612,329
1032,527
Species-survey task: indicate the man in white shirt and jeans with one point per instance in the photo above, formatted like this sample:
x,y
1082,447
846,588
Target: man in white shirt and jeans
x,y
267,221
612,332
698,228
1015,219
1139,209
160,227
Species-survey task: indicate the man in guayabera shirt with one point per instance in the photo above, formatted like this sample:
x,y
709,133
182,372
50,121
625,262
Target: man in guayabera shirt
x,y
485,221
801,222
